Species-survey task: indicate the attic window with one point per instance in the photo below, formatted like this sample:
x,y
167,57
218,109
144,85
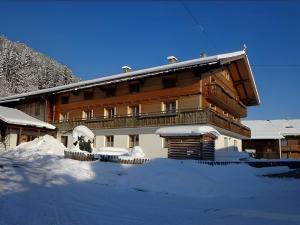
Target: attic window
x,y
134,88
109,91
64,99
88,95
169,82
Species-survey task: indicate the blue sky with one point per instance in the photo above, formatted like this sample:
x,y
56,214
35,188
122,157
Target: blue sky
x,y
96,38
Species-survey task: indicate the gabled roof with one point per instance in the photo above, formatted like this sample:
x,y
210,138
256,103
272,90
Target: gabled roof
x,y
17,117
273,129
222,59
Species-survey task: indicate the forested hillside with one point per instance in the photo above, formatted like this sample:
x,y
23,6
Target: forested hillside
x,y
22,69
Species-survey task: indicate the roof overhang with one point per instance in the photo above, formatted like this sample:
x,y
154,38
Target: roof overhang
x,y
238,61
243,80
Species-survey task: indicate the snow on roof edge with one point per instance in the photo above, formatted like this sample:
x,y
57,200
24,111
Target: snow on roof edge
x,y
185,130
15,116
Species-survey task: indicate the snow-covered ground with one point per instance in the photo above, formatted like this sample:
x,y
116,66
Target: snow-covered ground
x,y
41,187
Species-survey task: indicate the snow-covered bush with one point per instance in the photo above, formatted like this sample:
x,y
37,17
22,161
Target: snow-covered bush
x,y
83,138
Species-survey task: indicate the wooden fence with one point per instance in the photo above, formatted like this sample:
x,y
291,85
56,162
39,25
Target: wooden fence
x,y
102,158
256,164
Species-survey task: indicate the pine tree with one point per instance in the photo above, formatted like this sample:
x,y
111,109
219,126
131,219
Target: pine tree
x,y
23,69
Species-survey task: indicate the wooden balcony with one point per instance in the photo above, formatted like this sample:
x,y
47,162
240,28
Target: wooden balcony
x,y
157,119
218,96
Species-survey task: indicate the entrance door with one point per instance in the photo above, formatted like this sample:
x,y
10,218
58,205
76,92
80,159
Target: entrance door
x,y
64,140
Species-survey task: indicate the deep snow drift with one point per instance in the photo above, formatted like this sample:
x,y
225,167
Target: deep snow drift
x,y
41,187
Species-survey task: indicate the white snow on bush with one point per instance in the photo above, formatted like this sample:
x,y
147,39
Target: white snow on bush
x,y
231,156
187,130
83,131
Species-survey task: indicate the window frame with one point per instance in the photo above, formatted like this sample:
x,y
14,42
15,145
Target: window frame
x,y
133,140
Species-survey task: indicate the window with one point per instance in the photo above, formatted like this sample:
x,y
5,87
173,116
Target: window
x,y
87,114
226,75
235,145
109,141
284,143
110,91
169,82
64,140
170,107
64,99
213,106
166,142
88,95
226,143
63,117
133,140
109,112
134,88
134,110
37,111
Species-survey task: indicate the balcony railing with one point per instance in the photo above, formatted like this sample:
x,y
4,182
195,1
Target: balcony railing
x,y
217,95
157,119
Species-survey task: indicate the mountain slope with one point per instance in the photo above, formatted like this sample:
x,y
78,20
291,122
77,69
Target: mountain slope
x,y
22,69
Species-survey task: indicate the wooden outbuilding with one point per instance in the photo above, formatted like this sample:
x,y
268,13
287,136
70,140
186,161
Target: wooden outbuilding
x,y
17,127
273,139
190,142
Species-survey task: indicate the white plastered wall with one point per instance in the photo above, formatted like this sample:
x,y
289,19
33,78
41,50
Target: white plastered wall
x,y
220,143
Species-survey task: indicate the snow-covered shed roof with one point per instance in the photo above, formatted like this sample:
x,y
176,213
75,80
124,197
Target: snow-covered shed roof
x,y
199,62
273,129
193,130
15,116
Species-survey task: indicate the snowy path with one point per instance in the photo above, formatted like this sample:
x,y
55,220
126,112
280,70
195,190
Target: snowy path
x,y
65,192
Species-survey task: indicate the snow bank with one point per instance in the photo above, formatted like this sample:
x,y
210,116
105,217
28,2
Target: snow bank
x,y
83,131
46,145
111,151
123,153
231,156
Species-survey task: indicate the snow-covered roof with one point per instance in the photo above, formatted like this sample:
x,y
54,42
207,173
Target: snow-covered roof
x,y
15,116
273,129
193,130
210,60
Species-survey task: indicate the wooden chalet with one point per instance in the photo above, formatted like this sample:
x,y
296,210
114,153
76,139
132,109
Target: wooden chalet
x,y
126,109
273,139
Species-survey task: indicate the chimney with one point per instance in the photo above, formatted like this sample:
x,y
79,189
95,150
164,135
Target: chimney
x,y
172,59
203,55
126,69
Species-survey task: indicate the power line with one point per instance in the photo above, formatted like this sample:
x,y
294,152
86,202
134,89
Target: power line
x,y
274,65
205,34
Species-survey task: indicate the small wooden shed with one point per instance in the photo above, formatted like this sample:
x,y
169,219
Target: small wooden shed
x,y
190,142
17,127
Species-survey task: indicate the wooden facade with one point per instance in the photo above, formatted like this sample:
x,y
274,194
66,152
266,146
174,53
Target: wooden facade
x,y
200,147
289,147
209,98
197,93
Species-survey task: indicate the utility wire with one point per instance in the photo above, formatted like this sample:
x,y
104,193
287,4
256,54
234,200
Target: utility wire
x,y
205,34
